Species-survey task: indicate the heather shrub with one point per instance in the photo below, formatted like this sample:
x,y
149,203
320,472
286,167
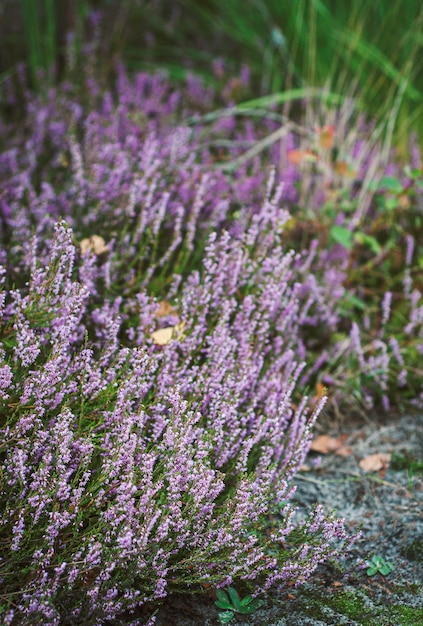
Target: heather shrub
x,y
157,348
131,472
365,224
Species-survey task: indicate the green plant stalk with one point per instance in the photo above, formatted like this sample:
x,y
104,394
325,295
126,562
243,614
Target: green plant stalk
x,y
311,43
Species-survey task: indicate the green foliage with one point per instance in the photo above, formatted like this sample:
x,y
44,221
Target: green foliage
x,y
289,47
378,565
343,48
39,20
358,608
231,603
38,37
406,462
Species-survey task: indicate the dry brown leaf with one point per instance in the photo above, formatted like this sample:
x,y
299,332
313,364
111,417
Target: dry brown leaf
x,y
343,451
326,444
404,201
94,243
164,336
327,137
165,308
296,157
375,462
341,168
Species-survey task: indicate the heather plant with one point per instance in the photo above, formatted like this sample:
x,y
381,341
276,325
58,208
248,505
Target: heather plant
x,y
155,355
153,190
129,473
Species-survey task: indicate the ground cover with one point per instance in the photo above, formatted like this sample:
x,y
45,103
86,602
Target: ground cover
x,y
165,360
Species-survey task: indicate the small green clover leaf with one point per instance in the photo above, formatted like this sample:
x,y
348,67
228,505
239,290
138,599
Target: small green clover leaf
x,y
226,616
342,235
231,603
223,601
379,565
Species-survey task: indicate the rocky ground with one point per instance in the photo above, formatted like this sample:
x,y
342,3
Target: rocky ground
x,y
386,503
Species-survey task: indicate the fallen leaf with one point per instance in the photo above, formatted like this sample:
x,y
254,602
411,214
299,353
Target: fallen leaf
x,y
341,168
321,391
375,462
94,243
343,451
326,444
164,336
296,157
165,308
404,201
337,583
327,137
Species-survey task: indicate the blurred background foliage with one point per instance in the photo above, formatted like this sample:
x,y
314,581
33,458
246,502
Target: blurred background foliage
x,y
368,51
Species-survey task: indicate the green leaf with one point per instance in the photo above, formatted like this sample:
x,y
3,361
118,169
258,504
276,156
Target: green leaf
x,y
386,569
223,605
390,183
391,204
380,565
355,301
368,240
222,595
246,601
226,616
234,598
222,601
252,606
342,235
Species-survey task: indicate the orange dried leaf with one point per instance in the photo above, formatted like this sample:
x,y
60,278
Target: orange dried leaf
x,y
296,157
310,157
343,451
325,444
327,137
375,462
404,201
165,308
341,168
320,391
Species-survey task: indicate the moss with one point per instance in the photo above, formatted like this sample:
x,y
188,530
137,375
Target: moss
x,y
352,606
406,462
407,615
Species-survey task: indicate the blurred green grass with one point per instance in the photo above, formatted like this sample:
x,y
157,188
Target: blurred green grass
x,y
371,52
